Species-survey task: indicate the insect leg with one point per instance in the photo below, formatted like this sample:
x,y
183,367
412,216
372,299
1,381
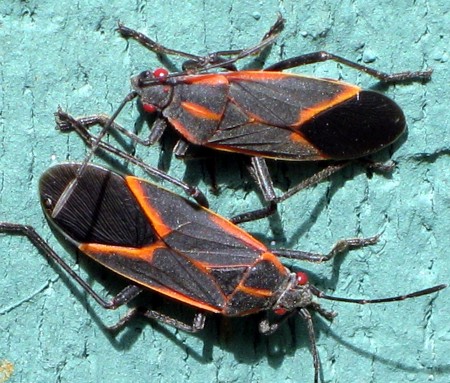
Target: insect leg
x,y
321,56
260,173
65,124
127,294
306,315
152,45
181,148
197,324
268,328
340,247
211,60
70,123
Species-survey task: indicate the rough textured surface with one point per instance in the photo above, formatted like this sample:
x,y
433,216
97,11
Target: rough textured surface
x,y
66,53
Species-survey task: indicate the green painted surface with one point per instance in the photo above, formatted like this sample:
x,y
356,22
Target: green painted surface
x,y
66,53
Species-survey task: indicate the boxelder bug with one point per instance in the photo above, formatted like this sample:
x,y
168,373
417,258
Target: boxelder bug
x,y
160,241
264,113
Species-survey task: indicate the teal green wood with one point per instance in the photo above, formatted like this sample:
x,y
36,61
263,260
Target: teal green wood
x,y
66,53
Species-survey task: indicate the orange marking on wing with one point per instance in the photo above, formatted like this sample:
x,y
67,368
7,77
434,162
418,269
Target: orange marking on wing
x,y
253,75
237,232
254,291
144,253
272,258
232,149
347,92
187,300
184,132
200,111
176,295
153,215
301,141
211,79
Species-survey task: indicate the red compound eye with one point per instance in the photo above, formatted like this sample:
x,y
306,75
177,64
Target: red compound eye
x,y
280,311
302,278
149,108
160,73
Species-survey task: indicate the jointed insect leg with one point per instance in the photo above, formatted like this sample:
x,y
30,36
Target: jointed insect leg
x,y
127,294
254,215
306,315
268,328
211,60
321,56
123,297
340,247
67,122
180,148
150,44
328,315
198,322
260,173
313,180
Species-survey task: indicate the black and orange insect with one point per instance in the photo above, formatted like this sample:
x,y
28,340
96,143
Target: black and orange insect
x,y
159,241
265,114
